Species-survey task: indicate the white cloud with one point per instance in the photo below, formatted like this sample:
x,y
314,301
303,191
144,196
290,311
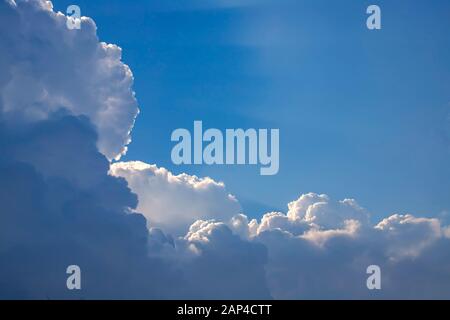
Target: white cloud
x,y
312,211
320,211
408,236
321,248
46,67
174,202
321,237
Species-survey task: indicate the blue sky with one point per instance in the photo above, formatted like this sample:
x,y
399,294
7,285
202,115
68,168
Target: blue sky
x,y
362,114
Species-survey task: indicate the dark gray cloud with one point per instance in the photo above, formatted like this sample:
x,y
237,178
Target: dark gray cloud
x,y
52,217
60,207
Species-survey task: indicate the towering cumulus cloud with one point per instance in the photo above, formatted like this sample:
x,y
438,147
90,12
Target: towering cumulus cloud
x,y
46,67
139,231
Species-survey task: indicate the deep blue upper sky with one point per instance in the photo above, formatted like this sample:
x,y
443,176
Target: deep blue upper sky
x,y
362,114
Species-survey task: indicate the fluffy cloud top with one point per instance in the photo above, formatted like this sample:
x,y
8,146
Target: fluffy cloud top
x,y
308,259
46,67
313,212
320,211
174,202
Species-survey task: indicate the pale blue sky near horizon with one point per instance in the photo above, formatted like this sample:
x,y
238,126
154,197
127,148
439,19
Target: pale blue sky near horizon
x,y
362,114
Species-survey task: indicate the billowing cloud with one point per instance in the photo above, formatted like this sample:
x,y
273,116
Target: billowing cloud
x,y
46,67
327,258
408,236
320,211
313,211
174,202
